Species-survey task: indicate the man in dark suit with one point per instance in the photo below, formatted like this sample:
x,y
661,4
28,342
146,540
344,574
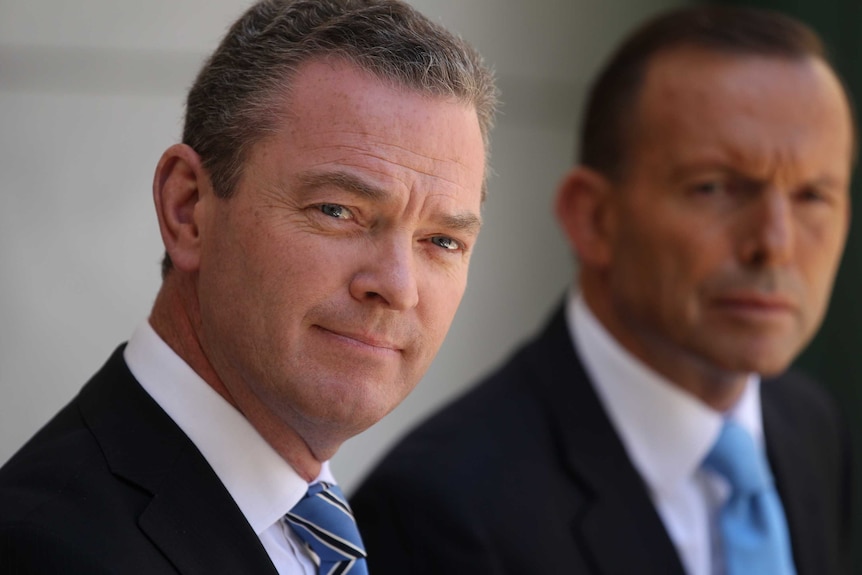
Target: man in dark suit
x,y
318,219
634,434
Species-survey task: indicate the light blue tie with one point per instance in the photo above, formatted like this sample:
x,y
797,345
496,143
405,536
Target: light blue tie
x,y
752,523
324,521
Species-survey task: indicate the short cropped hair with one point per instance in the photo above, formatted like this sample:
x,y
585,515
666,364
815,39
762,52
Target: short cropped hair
x,y
235,100
612,101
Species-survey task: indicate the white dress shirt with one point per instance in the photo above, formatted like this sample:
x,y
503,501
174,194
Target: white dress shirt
x,y
263,485
667,432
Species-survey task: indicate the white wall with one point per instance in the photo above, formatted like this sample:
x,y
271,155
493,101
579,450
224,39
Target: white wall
x,y
91,93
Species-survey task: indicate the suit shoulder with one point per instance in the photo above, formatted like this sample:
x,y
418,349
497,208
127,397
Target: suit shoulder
x,y
499,409
502,416
59,491
60,475
500,427
27,548
796,396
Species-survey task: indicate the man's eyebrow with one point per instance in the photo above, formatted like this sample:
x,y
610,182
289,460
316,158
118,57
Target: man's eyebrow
x,y
342,180
465,222
829,182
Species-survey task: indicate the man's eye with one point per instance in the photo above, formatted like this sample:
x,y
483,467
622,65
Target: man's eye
x,y
335,211
812,195
445,242
708,188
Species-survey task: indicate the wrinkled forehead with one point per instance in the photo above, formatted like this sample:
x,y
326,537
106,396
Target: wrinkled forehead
x,y
337,114
330,94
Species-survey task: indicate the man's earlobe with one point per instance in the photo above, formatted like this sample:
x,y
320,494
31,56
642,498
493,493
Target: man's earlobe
x,y
584,209
177,186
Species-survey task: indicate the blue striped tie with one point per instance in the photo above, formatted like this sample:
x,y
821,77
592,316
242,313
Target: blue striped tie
x,y
752,523
324,521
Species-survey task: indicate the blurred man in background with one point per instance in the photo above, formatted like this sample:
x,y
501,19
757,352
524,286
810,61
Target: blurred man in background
x,y
651,427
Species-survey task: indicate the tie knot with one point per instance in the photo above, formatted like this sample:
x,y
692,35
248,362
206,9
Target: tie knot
x,y
736,458
324,521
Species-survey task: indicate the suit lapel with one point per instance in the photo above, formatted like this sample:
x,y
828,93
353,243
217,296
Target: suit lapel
x,y
200,528
795,479
192,518
619,527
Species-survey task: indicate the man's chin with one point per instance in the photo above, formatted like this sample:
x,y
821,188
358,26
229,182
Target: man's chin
x,y
765,365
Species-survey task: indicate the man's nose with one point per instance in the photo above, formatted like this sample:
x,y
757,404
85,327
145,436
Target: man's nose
x,y
768,237
388,274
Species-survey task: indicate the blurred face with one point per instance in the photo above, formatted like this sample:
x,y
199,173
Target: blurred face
x,y
730,220
328,281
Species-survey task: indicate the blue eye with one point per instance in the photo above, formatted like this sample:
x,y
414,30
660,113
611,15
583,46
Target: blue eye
x,y
335,211
445,242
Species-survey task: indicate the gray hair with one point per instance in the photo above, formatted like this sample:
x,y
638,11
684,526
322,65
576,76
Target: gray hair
x,y
234,100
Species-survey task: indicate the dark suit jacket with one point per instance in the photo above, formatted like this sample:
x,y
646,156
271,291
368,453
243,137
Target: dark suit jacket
x,y
112,485
526,475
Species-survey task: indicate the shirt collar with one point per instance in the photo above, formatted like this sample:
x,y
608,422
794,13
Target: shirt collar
x,y
261,483
666,431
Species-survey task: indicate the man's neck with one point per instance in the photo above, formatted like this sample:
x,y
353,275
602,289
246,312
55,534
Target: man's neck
x,y
718,388
175,317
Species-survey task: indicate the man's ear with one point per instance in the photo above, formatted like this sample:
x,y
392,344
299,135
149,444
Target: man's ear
x,y
177,187
584,208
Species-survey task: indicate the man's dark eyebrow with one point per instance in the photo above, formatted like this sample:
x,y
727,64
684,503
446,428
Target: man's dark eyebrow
x,y
466,222
342,180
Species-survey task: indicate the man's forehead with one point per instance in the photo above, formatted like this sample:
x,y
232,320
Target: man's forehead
x,y
688,82
338,112
691,67
331,83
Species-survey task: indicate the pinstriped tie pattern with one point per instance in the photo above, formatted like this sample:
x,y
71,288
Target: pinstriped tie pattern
x,y
324,521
